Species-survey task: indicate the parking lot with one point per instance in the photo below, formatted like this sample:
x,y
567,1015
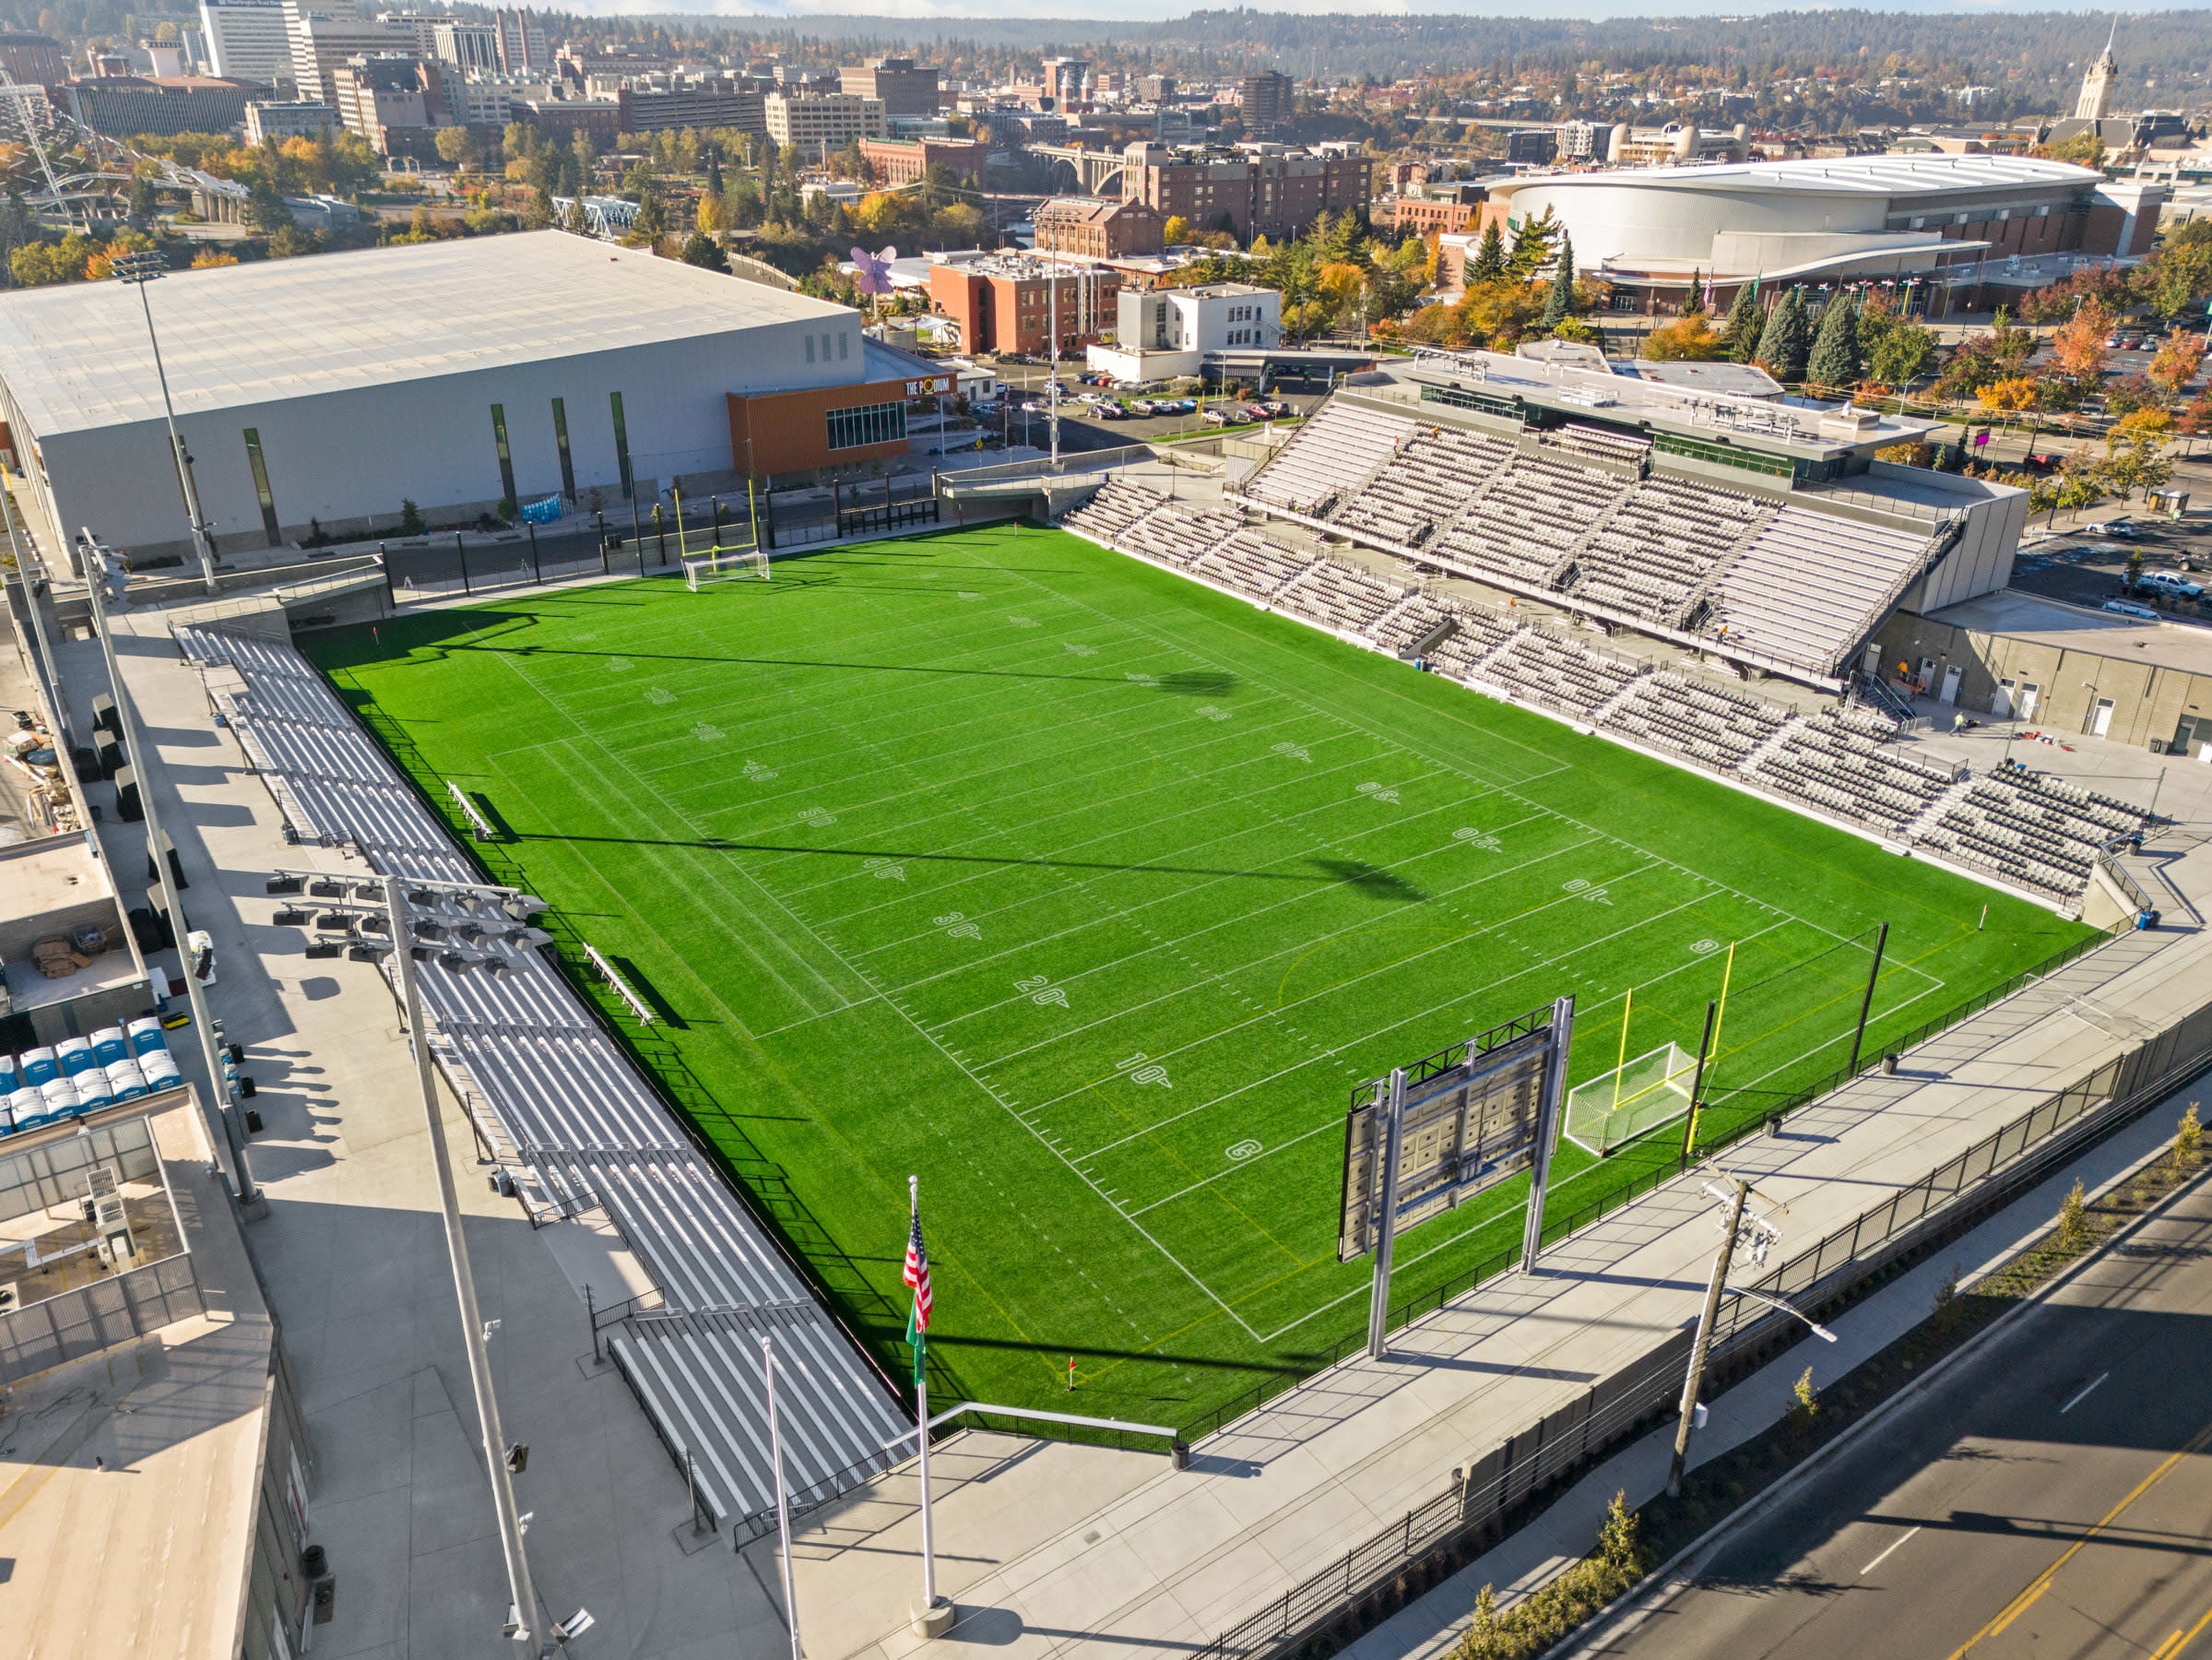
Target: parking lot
x,y
2089,566
1083,428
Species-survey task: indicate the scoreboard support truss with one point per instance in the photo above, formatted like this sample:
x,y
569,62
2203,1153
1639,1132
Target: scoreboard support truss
x,y
1431,1136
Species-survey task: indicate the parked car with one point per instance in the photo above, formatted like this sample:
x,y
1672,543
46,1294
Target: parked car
x,y
2170,583
1143,406
1219,416
2128,608
1110,411
2119,527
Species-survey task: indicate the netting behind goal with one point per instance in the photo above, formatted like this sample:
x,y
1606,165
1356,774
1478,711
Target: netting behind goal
x,y
724,565
1619,1106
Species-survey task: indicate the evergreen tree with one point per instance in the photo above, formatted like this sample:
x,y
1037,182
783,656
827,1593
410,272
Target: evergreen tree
x,y
1533,245
1489,264
1555,307
714,170
1694,302
701,250
1835,360
1742,329
1782,345
1564,279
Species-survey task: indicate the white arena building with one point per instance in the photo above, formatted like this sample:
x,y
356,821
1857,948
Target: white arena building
x,y
453,375
1851,218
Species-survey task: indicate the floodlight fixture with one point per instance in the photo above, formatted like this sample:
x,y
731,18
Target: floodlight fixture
x,y
284,884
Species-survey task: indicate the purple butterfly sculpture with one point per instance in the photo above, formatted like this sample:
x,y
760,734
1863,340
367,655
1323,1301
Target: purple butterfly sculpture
x,y
874,269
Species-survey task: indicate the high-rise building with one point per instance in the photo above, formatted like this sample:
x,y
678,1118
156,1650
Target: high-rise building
x,y
246,40
470,47
522,46
2096,100
1266,101
821,122
905,86
325,33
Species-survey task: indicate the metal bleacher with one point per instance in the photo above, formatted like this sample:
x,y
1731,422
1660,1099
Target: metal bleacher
x,y
561,1102
2038,837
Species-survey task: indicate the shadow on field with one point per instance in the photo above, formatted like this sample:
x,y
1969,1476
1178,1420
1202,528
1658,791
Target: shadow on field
x,y
1328,872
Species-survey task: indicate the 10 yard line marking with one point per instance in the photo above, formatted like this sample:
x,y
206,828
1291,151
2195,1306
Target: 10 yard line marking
x,y
1885,1556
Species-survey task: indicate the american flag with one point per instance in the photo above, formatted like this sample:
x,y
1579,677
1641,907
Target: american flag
x,y
918,1273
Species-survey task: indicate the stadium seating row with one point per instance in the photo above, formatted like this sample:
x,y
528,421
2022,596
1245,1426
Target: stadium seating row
x,y
563,1106
2033,833
1650,549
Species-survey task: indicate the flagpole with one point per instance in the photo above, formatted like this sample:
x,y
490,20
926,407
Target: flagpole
x,y
933,1618
783,1511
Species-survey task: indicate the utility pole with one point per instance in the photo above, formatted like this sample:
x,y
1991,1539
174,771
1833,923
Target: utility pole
x,y
523,1594
251,1204
1695,1377
138,270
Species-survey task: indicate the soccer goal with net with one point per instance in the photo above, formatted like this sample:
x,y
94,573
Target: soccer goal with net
x,y
724,565
1619,1106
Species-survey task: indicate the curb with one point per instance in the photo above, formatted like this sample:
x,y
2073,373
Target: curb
x,y
1650,1592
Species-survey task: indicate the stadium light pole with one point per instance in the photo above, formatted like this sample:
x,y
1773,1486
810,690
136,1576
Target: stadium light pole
x,y
521,1591
1549,1113
252,1206
1881,943
138,270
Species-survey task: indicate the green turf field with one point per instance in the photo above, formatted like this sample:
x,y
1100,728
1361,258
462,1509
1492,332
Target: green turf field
x,y
1089,894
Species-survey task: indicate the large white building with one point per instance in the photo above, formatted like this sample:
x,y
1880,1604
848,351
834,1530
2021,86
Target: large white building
x,y
1859,217
453,374
247,41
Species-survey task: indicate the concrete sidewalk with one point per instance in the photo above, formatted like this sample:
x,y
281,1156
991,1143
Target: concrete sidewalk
x,y
1167,1564
1566,1532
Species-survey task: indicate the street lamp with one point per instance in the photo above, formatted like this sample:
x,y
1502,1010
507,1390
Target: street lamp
x,y
465,926
138,270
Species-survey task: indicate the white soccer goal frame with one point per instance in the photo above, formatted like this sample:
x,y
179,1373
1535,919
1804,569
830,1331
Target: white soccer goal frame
x,y
726,564
1650,1090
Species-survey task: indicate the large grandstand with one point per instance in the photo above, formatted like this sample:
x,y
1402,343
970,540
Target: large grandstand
x,y
1551,535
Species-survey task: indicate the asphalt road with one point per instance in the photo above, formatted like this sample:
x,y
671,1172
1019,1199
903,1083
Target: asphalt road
x,y
2050,1497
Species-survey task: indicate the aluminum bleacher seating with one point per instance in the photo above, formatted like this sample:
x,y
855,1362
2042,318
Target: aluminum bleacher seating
x,y
1328,458
1661,547
1534,514
1423,487
1716,728
1252,565
581,1129
1602,443
2033,831
1340,595
1842,765
1541,665
1175,535
1410,622
1480,633
1113,510
1768,601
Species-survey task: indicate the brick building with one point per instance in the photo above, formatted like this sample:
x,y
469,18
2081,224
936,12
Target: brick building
x,y
1006,303
903,87
1420,214
1095,228
904,161
1259,189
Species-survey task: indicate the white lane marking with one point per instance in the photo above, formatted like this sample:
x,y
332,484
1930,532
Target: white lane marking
x,y
1885,1556
2083,1394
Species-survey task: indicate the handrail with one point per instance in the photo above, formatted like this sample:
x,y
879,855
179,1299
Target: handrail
x,y
1076,1418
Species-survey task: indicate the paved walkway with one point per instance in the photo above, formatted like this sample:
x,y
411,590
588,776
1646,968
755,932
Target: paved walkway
x,y
1167,1564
